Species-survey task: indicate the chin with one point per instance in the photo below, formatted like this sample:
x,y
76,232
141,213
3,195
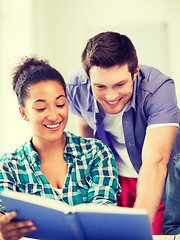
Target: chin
x,y
113,111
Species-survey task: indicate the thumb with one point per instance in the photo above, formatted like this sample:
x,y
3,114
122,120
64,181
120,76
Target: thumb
x,y
7,217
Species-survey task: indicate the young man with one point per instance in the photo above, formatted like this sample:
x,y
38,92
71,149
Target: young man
x,y
131,108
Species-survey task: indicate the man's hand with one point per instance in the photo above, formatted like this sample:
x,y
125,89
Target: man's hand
x,y
12,230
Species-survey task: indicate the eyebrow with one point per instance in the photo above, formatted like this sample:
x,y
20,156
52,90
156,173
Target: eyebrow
x,y
95,84
120,82
42,100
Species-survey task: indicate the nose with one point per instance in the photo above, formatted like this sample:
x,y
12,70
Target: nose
x,y
52,114
111,95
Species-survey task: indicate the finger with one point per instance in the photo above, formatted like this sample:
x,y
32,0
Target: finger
x,y
18,230
20,233
17,225
7,217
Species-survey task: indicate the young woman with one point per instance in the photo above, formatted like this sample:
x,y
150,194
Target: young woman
x,y
53,163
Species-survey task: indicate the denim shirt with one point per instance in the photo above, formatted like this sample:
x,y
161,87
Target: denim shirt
x,y
153,102
171,224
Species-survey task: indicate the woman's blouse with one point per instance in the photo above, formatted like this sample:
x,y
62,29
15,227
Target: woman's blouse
x,y
91,175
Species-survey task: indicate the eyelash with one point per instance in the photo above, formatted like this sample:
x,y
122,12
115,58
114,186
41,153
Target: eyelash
x,y
100,87
60,106
42,109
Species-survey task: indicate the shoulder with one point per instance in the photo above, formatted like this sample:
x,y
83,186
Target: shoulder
x,y
85,145
149,72
78,87
150,78
77,76
18,155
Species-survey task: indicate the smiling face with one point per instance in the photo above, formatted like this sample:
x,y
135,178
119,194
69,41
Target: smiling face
x,y
112,87
46,110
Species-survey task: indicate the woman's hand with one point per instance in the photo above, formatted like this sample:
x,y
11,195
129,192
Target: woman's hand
x,y
13,230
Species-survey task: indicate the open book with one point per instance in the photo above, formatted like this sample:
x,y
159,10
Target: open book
x,y
58,220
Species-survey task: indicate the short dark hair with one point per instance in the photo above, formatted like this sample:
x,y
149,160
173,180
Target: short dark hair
x,y
30,72
108,49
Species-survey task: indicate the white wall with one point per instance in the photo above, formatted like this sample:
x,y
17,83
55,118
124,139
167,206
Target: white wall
x,y
68,23
58,30
15,42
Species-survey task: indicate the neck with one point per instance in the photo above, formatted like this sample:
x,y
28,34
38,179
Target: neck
x,y
47,148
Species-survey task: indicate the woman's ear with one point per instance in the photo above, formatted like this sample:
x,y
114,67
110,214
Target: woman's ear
x,y
23,114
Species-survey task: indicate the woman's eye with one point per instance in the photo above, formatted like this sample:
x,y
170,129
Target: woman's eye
x,y
40,109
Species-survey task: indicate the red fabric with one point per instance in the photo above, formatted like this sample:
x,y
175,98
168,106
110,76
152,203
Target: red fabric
x,y
127,199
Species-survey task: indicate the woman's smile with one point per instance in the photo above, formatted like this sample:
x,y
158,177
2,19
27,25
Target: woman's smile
x,y
52,126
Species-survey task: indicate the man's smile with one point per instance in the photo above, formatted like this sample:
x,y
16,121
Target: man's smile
x,y
114,102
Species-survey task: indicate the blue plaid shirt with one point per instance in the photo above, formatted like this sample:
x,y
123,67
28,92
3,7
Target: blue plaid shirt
x,y
91,175
153,102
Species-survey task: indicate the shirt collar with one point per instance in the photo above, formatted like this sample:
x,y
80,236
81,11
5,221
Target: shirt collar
x,y
91,105
31,154
132,102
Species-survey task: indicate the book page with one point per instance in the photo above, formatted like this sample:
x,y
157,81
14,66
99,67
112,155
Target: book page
x,y
89,207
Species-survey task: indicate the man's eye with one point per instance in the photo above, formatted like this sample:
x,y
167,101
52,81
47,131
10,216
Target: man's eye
x,y
100,86
119,84
60,105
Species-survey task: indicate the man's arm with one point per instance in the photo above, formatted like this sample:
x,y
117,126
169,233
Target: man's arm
x,y
83,128
155,156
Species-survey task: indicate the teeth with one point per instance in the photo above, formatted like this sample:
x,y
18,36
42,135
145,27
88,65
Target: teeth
x,y
52,126
113,102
